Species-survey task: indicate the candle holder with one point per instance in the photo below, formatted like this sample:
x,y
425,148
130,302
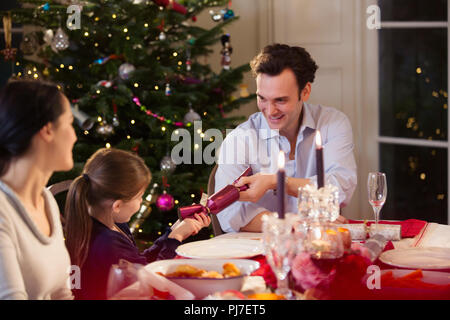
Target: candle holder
x,y
318,204
325,244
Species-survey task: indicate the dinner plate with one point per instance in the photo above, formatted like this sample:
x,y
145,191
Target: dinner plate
x,y
241,235
221,249
418,258
433,277
407,291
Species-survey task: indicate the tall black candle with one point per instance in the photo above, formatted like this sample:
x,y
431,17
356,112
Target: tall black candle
x,y
319,161
280,185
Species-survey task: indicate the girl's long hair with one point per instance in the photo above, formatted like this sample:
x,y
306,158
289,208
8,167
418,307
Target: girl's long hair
x,y
109,174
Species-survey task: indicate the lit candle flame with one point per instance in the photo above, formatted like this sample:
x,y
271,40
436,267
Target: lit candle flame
x,y
318,140
281,160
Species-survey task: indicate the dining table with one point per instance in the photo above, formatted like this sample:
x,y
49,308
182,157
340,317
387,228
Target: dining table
x,y
415,280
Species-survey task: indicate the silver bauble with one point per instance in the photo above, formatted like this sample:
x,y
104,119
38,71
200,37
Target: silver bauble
x,y
60,40
105,129
215,16
162,36
115,120
191,116
125,71
167,164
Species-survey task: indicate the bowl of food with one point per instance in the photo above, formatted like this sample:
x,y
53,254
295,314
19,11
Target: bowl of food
x,y
203,277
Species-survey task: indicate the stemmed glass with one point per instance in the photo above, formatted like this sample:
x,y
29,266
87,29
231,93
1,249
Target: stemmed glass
x,y
377,191
280,244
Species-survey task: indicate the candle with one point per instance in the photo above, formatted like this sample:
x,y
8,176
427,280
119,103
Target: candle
x,y
319,161
280,185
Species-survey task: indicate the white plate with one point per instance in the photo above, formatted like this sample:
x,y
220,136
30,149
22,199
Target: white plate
x,y
418,258
201,287
241,235
433,277
221,249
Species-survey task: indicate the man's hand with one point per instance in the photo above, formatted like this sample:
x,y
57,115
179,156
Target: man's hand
x,y
341,220
258,185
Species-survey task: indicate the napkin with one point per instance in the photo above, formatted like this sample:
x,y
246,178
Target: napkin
x,y
434,235
150,280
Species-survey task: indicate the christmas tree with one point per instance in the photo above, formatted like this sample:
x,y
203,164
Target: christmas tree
x,y
133,73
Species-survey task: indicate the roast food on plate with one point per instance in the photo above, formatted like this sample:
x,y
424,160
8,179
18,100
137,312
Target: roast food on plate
x,y
189,271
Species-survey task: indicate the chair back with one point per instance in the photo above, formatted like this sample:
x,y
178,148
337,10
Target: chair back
x,y
58,188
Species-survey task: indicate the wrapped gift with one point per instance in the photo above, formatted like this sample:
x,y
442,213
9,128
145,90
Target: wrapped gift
x,y
389,231
218,201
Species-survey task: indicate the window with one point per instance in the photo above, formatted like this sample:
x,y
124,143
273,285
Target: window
x,y
413,108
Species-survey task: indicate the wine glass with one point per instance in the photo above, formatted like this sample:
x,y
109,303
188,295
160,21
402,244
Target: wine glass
x,y
377,191
280,244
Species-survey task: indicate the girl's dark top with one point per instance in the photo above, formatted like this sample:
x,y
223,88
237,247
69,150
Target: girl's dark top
x,y
107,247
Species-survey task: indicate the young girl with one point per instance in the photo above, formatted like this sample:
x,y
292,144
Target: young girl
x,y
36,139
99,204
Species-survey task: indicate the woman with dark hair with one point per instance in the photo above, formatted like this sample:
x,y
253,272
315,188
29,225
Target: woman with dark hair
x,y
36,139
99,204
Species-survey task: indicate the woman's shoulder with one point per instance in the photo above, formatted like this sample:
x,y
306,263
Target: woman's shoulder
x,y
7,210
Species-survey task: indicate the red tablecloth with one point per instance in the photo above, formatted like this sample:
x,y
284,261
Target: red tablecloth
x,y
345,288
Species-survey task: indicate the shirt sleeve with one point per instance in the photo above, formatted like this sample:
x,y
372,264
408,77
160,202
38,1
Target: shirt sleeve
x,y
240,213
339,160
163,248
12,286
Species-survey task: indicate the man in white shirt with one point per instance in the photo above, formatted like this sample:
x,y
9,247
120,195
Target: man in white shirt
x,y
285,122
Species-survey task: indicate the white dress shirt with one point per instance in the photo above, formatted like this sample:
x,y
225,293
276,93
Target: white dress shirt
x,y
254,144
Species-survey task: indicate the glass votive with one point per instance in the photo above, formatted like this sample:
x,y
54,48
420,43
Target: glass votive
x,y
324,245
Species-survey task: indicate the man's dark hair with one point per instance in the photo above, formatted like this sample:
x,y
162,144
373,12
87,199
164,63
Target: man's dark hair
x,y
273,59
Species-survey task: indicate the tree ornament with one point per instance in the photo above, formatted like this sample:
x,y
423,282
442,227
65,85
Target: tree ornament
x,y
145,210
9,53
45,6
162,36
226,51
244,92
105,83
165,201
167,165
29,44
115,119
188,59
216,16
168,91
228,14
191,116
60,41
105,129
125,70
172,5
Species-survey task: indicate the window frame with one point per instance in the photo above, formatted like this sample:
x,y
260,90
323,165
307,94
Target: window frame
x,y
411,141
